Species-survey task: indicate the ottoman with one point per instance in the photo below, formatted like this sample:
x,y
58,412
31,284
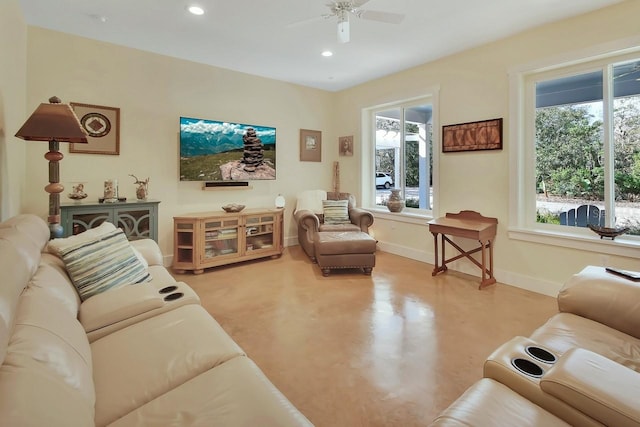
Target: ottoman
x,y
345,249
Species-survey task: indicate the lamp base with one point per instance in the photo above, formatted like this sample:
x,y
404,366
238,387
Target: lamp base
x,y
55,230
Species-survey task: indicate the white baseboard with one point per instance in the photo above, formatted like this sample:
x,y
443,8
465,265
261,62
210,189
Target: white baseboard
x,y
506,277
464,266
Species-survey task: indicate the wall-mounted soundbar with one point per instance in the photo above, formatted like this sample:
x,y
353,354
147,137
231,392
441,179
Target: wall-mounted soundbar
x,y
213,185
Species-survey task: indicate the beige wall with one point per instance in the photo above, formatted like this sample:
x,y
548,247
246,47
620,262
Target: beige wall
x,y
153,91
474,86
13,87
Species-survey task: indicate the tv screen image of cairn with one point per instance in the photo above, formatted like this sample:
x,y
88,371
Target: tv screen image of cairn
x,y
223,151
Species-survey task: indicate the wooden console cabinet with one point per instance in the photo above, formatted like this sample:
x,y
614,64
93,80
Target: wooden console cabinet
x,y
211,239
138,219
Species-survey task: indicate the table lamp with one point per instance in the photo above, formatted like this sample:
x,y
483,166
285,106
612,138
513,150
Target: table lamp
x,y
54,122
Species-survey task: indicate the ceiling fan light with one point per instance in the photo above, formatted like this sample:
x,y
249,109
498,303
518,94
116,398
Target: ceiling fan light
x,y
196,10
343,31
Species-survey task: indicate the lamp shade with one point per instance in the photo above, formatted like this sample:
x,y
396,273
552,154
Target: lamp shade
x,y
53,122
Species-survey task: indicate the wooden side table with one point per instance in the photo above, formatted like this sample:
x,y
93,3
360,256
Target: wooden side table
x,y
468,225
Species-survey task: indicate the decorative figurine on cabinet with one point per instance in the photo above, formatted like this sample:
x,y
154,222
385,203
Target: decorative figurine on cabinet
x,y
142,192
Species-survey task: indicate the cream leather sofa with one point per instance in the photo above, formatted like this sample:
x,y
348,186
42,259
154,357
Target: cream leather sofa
x,y
124,357
582,366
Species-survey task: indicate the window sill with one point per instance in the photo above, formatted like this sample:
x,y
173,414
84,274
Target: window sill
x,y
406,216
622,246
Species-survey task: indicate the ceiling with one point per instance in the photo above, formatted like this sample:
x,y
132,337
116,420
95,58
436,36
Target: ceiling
x,y
283,39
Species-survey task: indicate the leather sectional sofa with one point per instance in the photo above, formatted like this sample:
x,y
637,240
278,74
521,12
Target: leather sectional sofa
x,y
145,354
581,368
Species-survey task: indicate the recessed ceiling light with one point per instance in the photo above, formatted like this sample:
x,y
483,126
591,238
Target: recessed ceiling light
x,y
327,53
196,10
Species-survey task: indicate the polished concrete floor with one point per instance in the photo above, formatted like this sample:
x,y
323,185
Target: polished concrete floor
x,y
390,349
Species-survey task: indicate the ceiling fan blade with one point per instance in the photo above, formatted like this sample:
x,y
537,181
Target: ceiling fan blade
x,y
388,17
307,21
358,3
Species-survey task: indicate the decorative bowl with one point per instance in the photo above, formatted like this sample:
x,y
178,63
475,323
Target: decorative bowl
x,y
610,233
233,207
77,196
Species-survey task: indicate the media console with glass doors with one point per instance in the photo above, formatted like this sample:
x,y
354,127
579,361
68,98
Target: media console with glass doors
x,y
210,239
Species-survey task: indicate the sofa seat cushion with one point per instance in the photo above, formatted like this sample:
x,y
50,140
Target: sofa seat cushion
x,y
340,243
338,227
235,393
564,331
137,364
32,398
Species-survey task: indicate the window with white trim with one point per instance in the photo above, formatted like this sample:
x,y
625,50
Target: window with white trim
x,y
579,147
401,138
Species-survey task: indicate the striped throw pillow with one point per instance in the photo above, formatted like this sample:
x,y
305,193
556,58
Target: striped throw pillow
x,y
104,263
335,211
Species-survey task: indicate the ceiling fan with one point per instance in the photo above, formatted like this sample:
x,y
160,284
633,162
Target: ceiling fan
x,y
344,9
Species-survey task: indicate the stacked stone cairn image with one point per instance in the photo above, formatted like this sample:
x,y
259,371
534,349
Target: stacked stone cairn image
x,y
253,150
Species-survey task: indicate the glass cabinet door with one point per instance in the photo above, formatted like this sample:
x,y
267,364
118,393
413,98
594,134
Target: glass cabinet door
x,y
136,223
220,238
83,221
259,232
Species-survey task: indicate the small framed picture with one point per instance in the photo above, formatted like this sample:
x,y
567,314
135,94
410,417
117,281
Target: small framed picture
x,y
345,145
310,145
102,125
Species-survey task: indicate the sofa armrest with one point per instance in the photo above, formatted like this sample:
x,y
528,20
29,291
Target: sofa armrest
x,y
603,297
361,218
600,388
307,220
149,250
119,304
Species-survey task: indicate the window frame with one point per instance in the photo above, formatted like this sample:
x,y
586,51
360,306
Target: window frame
x,y
522,205
368,187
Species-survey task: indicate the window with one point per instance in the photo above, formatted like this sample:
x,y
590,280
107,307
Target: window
x,y
578,147
402,137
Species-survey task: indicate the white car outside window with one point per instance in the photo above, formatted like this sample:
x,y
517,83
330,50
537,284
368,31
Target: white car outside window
x,y
384,180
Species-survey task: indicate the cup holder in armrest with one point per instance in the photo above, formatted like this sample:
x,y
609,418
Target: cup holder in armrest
x,y
173,296
540,354
527,367
168,289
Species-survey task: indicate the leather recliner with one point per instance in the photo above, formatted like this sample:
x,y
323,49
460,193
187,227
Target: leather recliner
x,y
310,219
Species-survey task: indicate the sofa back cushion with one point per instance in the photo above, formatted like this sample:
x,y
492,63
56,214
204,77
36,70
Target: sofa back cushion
x,y
31,227
48,358
21,241
15,276
603,297
333,195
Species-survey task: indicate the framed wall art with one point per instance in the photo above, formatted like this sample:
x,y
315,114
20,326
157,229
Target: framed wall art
x,y
345,145
103,128
472,136
310,145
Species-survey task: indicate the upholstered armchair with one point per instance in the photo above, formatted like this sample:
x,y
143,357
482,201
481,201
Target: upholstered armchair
x,y
310,217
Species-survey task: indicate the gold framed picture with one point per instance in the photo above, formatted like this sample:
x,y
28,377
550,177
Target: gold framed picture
x,y
102,125
310,145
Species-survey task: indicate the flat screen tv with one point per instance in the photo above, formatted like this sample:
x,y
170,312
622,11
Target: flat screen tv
x,y
222,151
